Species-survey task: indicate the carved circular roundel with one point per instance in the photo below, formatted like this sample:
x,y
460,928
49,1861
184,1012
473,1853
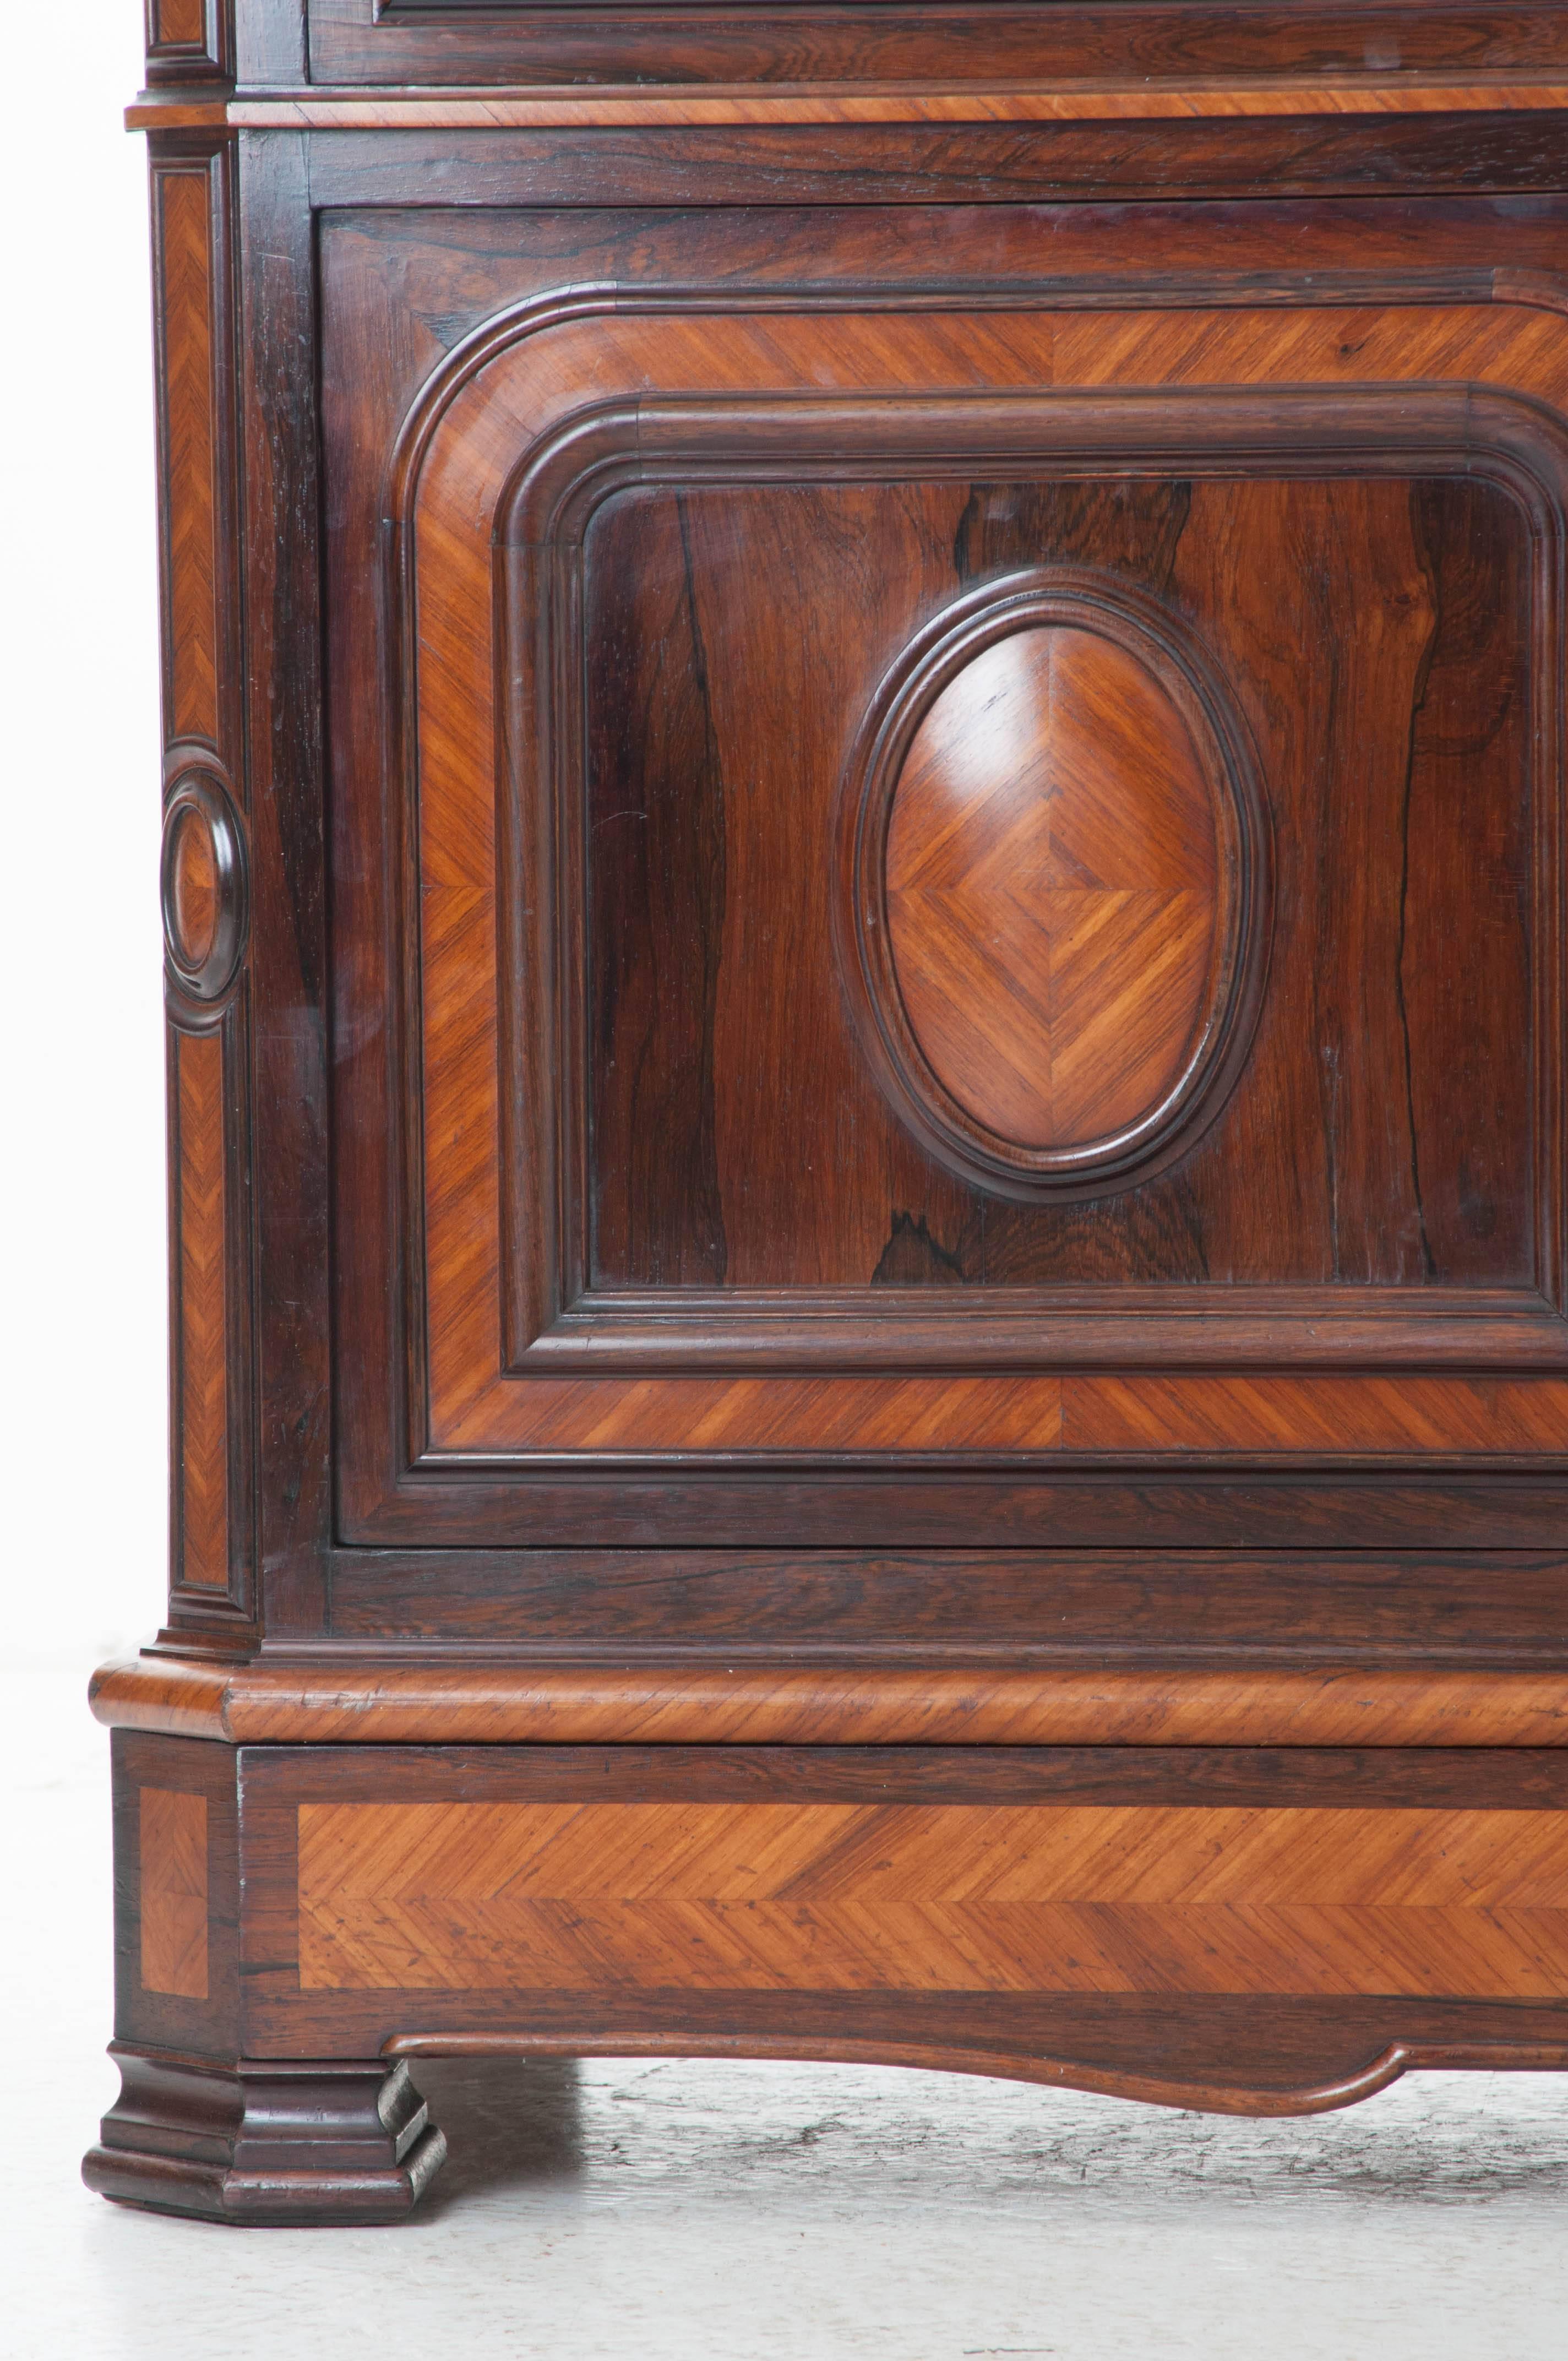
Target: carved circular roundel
x,y
1059,884
203,886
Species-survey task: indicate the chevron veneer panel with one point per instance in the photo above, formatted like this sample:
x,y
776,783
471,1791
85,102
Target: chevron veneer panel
x,y
850,1898
174,1851
192,617
203,1379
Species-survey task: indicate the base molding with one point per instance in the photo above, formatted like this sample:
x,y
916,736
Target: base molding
x,y
1265,1931
277,2143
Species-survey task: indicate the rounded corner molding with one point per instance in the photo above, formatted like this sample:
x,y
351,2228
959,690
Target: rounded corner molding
x,y
1055,902
203,885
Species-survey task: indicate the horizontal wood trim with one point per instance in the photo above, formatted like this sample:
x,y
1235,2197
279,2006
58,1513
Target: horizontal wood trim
x,y
894,1329
1102,1608
608,108
748,1896
683,1703
1140,1415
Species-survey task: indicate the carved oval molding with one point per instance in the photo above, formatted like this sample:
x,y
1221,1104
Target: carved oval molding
x,y
203,885
1057,857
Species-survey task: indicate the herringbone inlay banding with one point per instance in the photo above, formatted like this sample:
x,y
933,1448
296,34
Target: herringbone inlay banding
x,y
848,1898
204,1376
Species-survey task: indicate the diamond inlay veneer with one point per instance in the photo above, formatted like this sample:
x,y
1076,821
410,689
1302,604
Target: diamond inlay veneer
x,y
1051,888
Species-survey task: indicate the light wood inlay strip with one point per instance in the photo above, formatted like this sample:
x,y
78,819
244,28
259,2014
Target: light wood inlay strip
x,y
848,1898
191,624
204,1343
512,402
1358,1415
1307,1416
885,1704
173,1842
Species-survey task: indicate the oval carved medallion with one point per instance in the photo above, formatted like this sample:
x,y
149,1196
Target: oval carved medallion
x,y
203,886
1060,876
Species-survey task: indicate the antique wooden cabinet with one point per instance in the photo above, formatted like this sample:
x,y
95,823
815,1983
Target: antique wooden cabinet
x,y
864,882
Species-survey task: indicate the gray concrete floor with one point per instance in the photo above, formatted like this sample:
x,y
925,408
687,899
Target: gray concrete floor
x,y
717,2212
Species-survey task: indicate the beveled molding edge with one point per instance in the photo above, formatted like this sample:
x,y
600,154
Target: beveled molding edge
x,y
610,106
199,791
623,1701
1170,653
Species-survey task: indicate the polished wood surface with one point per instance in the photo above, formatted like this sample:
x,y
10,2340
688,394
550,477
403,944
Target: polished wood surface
x,y
279,2143
1275,2050
194,887
853,1898
176,24
1357,1067
202,1281
183,231
355,41
1195,1323
680,1703
611,109
1320,1417
1052,880
204,869
173,1836
862,889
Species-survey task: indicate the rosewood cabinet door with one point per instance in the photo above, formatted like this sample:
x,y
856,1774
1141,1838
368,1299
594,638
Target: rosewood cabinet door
x,y
949,888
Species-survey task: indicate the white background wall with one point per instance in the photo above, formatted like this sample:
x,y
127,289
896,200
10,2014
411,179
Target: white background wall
x,y
83,1416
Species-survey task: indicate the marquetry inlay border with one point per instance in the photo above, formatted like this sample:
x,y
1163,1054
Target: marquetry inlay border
x,y
502,1373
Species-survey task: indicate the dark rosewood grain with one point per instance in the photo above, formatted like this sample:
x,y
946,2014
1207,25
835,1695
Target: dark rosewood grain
x,y
203,874
1112,1604
863,887
453,43
759,1696
288,958
1478,154
188,40
453,699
